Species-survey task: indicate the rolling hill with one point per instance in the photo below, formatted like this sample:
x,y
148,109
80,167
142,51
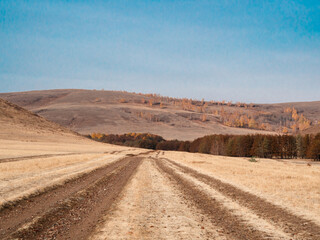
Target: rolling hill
x,y
18,123
25,135
88,111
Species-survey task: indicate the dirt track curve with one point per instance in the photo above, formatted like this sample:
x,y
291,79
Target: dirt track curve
x,y
3,160
148,197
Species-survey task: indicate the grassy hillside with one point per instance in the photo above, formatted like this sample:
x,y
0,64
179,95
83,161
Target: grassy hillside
x,y
88,111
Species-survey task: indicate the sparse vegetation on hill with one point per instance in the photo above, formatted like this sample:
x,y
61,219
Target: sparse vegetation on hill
x,y
238,114
119,112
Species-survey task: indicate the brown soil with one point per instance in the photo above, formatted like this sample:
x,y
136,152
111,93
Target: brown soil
x,y
289,222
69,210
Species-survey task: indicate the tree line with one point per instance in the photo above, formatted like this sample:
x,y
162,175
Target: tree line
x,y
258,145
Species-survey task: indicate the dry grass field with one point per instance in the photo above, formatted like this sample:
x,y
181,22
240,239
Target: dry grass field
x,y
292,184
167,195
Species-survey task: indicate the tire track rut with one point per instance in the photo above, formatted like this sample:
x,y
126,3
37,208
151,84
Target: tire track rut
x,y
290,223
59,211
220,216
5,160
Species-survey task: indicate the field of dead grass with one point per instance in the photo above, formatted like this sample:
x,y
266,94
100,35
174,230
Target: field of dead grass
x,y
22,178
13,148
28,167
293,185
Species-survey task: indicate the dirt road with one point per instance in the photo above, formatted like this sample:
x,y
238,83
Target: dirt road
x,y
150,197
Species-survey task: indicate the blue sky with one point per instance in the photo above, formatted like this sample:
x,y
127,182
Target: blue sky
x,y
250,51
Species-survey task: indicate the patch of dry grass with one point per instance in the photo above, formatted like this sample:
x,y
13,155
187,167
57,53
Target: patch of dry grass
x,y
17,148
23,178
293,185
